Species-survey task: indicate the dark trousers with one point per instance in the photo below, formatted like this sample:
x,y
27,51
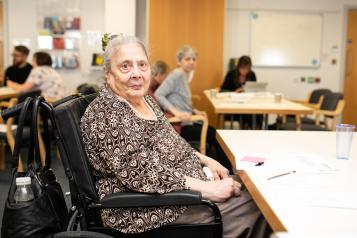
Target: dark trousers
x,y
193,133
245,120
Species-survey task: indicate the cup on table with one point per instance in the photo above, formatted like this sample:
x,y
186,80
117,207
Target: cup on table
x,y
344,135
278,97
213,93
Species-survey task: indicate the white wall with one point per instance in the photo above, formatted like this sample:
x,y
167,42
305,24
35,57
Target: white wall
x,y
97,17
287,80
120,16
141,20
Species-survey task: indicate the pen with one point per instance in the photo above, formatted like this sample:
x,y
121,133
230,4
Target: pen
x,y
279,175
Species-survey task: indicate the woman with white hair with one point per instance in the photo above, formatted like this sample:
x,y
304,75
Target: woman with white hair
x,y
132,147
174,96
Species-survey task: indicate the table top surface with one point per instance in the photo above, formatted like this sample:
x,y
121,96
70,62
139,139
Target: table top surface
x,y
231,102
320,197
6,92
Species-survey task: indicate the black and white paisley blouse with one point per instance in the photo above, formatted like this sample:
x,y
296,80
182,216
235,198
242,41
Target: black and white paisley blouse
x,y
129,153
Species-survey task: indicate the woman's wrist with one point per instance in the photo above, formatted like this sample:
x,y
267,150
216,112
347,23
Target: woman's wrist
x,y
204,159
194,184
174,111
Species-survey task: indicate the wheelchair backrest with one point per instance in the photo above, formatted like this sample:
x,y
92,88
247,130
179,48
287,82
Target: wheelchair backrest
x,y
67,114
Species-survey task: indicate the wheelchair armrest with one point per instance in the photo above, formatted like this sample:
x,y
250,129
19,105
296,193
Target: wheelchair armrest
x,y
131,199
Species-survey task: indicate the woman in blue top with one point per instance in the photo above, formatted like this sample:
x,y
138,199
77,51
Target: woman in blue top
x,y
174,96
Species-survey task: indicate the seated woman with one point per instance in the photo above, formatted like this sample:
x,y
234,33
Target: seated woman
x,y
131,147
174,96
42,77
235,80
159,71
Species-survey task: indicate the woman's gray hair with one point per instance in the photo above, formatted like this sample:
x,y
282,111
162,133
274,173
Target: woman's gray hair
x,y
185,50
159,68
111,43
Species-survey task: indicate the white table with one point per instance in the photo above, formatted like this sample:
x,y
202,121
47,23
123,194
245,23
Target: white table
x,y
309,201
252,103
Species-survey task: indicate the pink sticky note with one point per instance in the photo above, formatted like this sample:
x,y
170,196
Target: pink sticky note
x,y
253,159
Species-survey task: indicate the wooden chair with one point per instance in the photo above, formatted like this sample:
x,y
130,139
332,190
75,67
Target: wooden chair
x,y
314,99
330,115
331,108
197,118
7,131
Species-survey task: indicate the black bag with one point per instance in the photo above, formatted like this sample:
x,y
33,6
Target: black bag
x,y
47,213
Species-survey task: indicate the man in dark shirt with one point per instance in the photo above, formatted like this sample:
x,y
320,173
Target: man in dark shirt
x,y
20,69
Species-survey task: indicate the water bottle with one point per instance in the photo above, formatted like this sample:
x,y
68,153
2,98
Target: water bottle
x,y
23,190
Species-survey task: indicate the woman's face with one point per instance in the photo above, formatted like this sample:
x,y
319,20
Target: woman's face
x,y
129,75
244,70
188,63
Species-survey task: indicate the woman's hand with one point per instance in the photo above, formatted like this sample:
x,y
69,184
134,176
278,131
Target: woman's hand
x,y
198,112
216,191
239,90
221,190
184,116
219,171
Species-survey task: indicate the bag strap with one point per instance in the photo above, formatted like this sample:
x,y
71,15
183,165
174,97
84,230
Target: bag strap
x,y
47,136
36,110
45,113
25,108
34,137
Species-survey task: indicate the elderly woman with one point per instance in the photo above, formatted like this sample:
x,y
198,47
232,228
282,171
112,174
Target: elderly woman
x,y
174,96
42,77
132,147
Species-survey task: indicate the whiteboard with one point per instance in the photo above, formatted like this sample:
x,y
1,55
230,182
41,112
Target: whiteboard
x,y
281,39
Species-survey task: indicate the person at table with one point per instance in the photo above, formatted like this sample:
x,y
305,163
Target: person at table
x,y
234,82
42,77
131,147
174,96
236,78
159,71
20,68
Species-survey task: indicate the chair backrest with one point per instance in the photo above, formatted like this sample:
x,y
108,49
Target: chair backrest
x,y
330,101
317,93
67,114
233,63
87,89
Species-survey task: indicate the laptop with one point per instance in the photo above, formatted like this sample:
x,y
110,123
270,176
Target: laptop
x,y
254,87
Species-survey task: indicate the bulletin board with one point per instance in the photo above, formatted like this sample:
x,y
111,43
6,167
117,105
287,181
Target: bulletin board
x,y
279,39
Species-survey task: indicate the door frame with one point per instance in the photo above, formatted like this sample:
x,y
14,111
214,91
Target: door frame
x,y
346,8
5,36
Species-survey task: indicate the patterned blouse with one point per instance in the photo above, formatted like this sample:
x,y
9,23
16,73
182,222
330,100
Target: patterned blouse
x,y
49,81
129,153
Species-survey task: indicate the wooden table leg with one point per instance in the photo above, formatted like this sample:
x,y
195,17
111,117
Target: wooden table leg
x,y
220,121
